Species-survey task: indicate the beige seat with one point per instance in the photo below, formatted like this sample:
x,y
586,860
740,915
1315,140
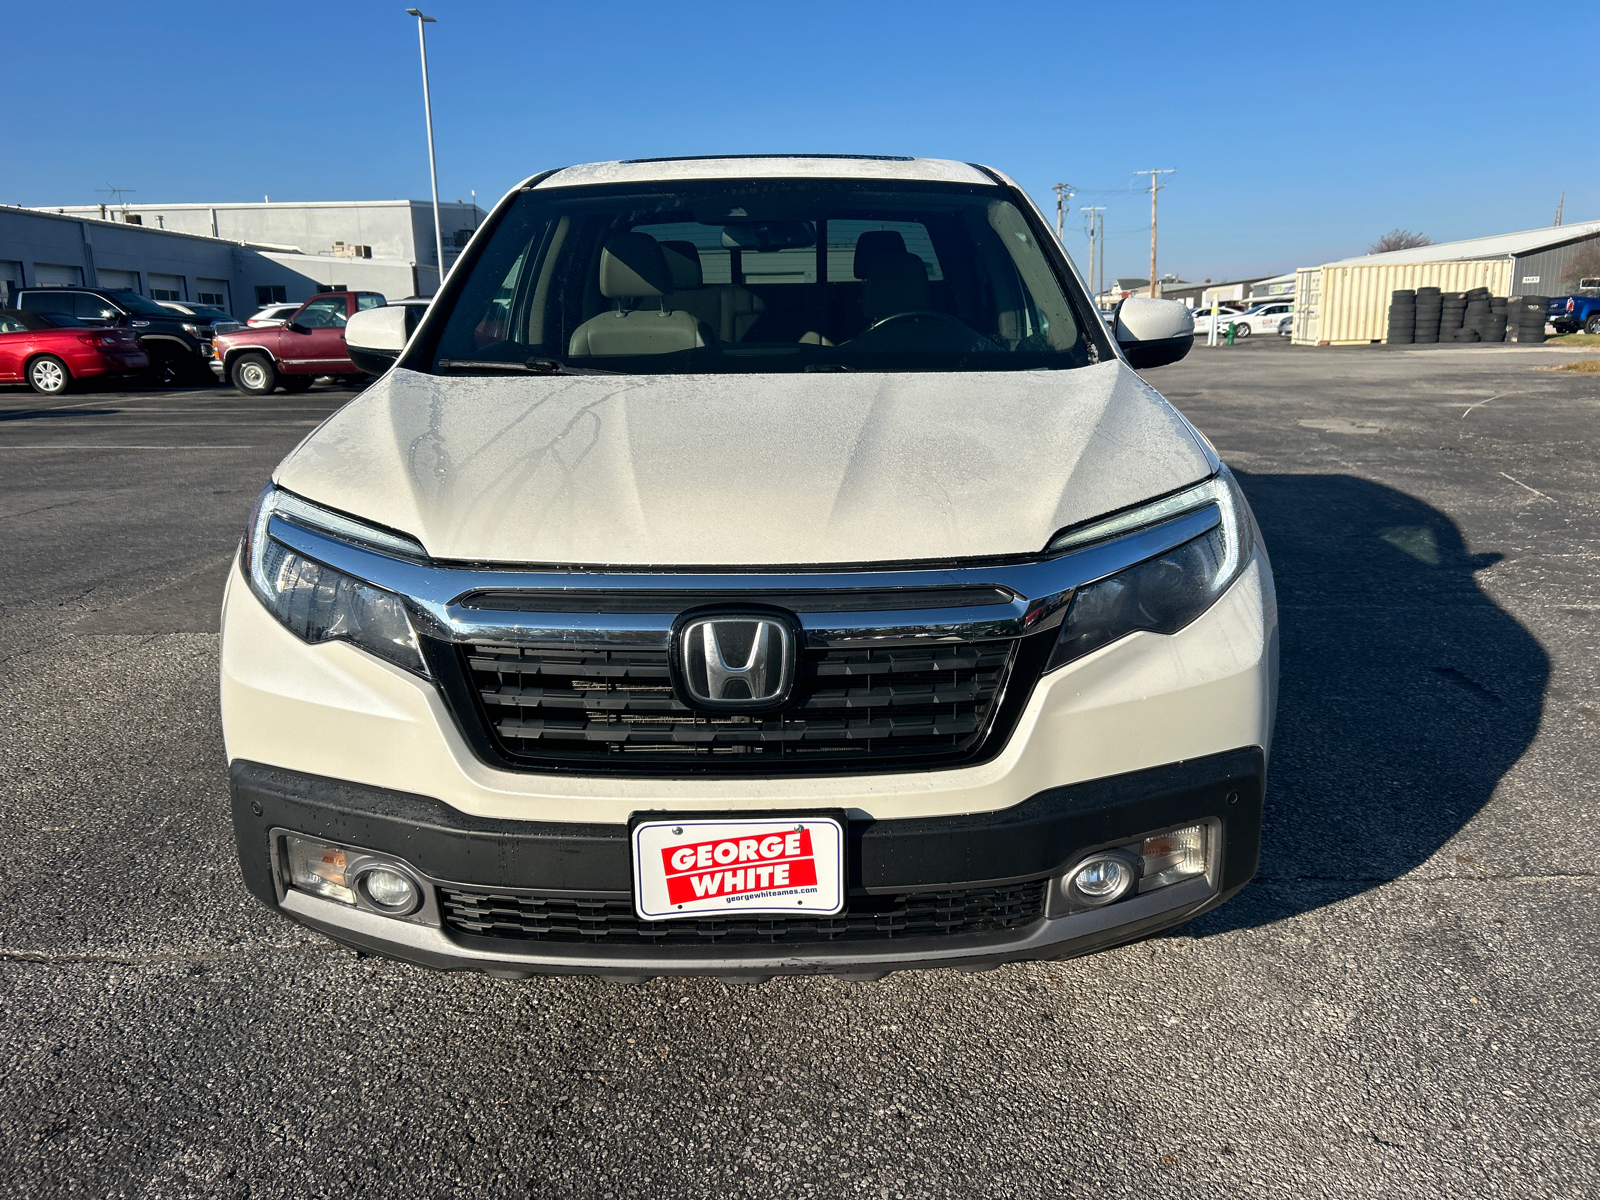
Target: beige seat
x,y
873,245
729,309
895,282
633,268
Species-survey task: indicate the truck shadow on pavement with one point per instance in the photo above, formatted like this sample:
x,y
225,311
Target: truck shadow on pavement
x,y
1406,693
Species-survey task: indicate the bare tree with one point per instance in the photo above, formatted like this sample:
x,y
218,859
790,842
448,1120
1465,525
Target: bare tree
x,y
1399,239
1584,265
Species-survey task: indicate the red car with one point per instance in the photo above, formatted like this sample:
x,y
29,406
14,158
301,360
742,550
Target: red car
x,y
310,343
52,351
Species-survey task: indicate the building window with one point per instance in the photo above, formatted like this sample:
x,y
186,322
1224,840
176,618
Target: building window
x,y
214,298
164,294
271,295
462,236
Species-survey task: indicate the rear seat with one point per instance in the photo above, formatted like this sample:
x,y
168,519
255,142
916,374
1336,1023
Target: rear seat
x,y
729,309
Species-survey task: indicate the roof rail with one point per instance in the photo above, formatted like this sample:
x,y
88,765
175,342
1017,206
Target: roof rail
x,y
710,157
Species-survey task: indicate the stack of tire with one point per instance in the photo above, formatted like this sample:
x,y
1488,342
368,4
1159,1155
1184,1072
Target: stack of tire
x,y
1428,309
1402,318
1453,319
1529,314
1476,321
1494,325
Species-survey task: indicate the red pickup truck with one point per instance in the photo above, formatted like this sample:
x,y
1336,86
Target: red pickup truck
x,y
292,355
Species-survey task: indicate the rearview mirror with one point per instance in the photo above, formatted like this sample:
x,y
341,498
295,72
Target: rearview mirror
x,y
374,338
766,236
1153,333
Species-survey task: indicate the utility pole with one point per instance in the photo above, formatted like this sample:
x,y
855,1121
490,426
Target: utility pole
x,y
1154,188
1559,206
1064,192
1097,251
427,110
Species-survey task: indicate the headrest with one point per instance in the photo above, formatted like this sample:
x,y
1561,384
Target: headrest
x,y
872,246
683,261
896,283
632,266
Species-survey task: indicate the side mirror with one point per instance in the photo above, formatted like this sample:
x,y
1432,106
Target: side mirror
x,y
374,338
293,327
1153,333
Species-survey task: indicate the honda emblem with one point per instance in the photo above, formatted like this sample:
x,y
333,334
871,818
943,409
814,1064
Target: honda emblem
x,y
735,660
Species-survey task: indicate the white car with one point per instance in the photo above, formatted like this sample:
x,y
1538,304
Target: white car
x,y
661,612
1260,318
1202,320
272,314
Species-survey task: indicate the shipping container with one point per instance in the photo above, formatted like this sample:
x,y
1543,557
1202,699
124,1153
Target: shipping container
x,y
1307,306
1352,301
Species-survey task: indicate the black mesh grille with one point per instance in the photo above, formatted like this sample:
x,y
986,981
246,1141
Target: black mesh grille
x,y
612,709
866,918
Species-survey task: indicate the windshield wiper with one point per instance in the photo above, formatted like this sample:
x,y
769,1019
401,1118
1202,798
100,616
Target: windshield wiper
x,y
532,366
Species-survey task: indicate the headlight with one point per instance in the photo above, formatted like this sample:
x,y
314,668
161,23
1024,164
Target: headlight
x,y
1161,594
319,604
193,330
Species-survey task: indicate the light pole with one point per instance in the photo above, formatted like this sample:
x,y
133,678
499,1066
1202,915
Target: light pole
x,y
427,110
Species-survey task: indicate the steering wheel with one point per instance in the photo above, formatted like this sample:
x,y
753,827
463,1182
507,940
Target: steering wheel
x,y
916,314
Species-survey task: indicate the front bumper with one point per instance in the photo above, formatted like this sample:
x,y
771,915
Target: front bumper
x,y
1036,840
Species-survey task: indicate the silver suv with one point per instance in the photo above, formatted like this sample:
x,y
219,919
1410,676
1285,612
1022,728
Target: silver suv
x,y
749,566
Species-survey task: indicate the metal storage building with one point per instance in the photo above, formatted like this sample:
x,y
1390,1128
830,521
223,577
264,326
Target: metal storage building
x,y
1346,303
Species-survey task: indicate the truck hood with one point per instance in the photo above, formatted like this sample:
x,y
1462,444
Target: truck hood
x,y
745,470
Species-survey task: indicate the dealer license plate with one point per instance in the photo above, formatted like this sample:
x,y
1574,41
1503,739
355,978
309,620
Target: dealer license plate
x,y
735,866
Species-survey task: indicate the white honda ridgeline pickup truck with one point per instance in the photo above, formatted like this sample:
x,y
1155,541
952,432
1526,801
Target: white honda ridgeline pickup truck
x,y
752,565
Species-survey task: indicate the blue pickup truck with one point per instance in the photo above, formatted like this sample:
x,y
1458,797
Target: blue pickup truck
x,y
1581,310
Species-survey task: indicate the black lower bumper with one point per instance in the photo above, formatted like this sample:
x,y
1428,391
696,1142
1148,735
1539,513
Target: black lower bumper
x,y
1034,840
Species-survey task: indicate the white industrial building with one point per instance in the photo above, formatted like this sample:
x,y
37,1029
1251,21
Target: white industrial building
x,y
354,239
237,256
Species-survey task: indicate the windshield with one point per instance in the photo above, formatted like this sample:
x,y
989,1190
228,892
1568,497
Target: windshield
x,y
135,303
766,275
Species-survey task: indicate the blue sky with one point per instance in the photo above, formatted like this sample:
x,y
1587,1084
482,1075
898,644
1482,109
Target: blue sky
x,y
1299,132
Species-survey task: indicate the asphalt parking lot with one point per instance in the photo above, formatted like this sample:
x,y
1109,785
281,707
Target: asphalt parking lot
x,y
1403,1003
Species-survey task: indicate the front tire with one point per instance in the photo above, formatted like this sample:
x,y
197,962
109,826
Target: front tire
x,y
254,375
168,367
1240,331
49,376
1592,325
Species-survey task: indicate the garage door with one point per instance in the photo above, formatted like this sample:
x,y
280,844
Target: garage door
x,y
165,287
128,280
212,291
56,275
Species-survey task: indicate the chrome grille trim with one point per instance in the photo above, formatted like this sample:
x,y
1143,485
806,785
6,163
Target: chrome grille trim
x,y
1040,587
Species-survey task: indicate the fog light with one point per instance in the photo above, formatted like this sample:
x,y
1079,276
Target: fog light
x,y
389,890
1170,857
319,869
1101,879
